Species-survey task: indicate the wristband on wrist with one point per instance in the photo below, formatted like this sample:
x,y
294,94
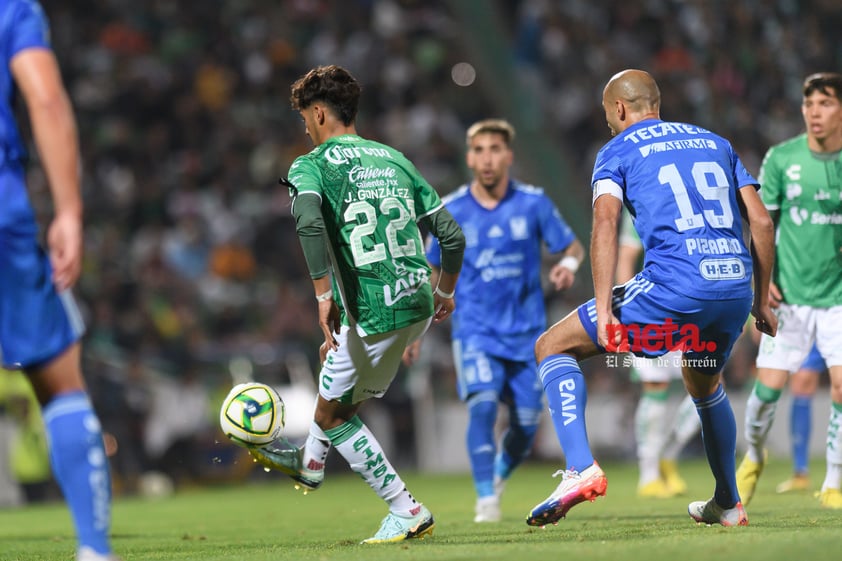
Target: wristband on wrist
x,y
325,296
570,263
444,294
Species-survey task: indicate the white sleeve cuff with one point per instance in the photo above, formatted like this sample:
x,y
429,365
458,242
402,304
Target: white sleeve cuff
x,y
606,187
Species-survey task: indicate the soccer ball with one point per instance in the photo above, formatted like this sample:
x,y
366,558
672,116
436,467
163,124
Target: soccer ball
x,y
252,414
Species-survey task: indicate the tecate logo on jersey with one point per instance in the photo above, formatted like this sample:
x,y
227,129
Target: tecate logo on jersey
x,y
654,339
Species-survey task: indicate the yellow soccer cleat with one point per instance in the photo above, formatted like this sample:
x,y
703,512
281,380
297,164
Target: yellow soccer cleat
x,y
675,483
799,482
655,489
747,475
830,498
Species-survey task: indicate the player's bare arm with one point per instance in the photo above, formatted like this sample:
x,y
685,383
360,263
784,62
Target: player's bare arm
x,y
762,230
607,211
627,256
329,321
37,75
775,295
563,273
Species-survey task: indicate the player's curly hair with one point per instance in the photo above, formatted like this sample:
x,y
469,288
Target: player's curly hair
x,y
823,82
332,85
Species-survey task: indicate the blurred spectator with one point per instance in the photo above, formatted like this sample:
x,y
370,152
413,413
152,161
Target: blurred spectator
x,y
10,491
25,475
123,400
177,422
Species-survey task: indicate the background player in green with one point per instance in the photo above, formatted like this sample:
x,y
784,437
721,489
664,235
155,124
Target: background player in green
x,y
357,203
801,182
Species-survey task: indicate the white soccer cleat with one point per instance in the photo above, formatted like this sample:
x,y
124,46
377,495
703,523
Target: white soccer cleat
x,y
396,528
87,554
281,455
574,488
488,510
708,512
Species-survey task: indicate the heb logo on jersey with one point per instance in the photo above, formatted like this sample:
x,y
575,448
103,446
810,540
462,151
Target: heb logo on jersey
x,y
406,285
722,269
654,339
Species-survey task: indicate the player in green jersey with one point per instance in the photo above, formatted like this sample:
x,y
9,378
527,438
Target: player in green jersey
x,y
357,204
801,182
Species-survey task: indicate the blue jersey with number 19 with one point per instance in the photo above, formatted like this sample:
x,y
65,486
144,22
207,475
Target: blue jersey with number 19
x,y
680,182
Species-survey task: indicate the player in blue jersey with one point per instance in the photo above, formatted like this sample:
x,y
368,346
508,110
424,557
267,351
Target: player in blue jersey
x,y
40,325
803,385
506,224
660,433
686,189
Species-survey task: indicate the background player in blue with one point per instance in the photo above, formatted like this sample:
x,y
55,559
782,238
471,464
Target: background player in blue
x,y
686,189
802,385
505,222
40,325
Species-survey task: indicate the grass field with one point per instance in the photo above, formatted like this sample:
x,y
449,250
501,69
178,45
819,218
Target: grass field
x,y
272,521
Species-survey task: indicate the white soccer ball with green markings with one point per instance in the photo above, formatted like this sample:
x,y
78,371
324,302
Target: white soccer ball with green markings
x,y
252,414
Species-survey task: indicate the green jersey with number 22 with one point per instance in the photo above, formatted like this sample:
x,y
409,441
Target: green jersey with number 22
x,y
371,199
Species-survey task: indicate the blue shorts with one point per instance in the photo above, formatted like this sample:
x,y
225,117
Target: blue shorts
x,y
516,382
36,322
814,361
656,320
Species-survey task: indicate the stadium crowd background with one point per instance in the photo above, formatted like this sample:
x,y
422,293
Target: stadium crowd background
x,y
193,272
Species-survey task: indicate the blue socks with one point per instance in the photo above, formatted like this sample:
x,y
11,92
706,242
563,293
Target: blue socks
x,y
80,466
800,423
482,414
517,441
486,463
567,395
719,434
